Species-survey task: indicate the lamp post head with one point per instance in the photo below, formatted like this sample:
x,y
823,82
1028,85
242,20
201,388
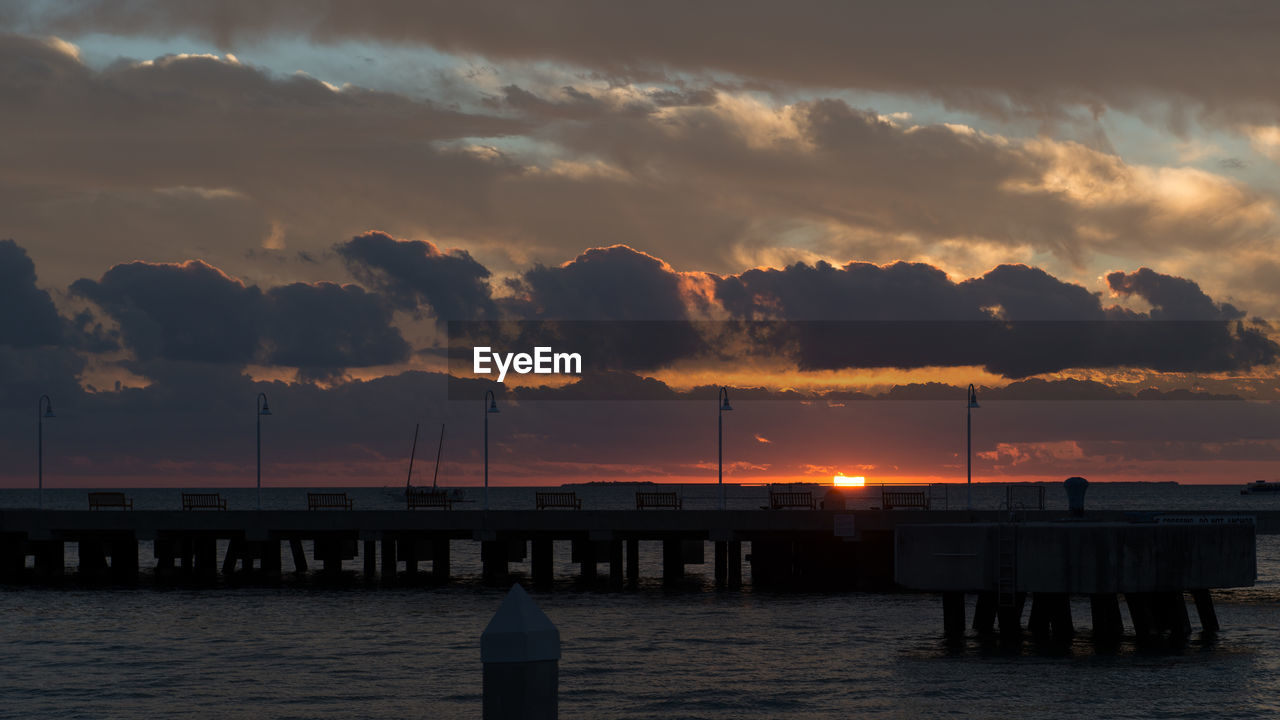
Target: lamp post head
x,y
493,401
724,397
973,397
48,406
265,409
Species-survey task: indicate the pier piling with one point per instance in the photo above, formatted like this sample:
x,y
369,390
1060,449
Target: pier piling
x,y
299,556
389,566
1104,609
672,560
735,563
615,564
1204,608
440,561
984,612
953,614
633,562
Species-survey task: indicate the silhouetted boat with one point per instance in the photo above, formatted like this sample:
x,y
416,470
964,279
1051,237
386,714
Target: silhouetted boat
x,y
1260,486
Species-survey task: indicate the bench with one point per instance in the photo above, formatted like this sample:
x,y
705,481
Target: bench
x,y
203,501
890,499
329,501
99,500
780,499
568,500
658,500
423,498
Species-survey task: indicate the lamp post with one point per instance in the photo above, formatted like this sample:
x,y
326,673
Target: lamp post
x,y
44,409
722,400
490,406
263,409
973,403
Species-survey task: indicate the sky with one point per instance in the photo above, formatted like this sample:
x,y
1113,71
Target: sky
x,y
845,213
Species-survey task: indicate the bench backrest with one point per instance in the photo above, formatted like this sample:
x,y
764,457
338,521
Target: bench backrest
x,y
191,501
790,498
109,499
890,499
558,499
429,498
329,500
657,499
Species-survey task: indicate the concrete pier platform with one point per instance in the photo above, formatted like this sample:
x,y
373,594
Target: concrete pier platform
x,y
870,550
1153,565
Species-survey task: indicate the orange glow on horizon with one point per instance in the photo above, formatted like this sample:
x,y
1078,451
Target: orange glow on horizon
x,y
842,481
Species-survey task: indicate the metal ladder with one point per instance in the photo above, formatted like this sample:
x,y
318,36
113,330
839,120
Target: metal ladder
x,y
1006,581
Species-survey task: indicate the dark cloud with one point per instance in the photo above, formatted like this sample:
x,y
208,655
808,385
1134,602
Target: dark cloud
x,y
608,283
1015,321
621,309
412,273
27,315
1171,298
189,312
194,313
1020,293
857,291
325,328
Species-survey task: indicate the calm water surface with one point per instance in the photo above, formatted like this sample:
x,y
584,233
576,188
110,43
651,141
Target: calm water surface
x,y
303,652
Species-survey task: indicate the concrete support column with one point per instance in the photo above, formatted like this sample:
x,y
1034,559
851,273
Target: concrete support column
x,y
124,559
1140,614
633,562
269,552
91,560
1204,608
12,559
587,559
493,556
543,562
1171,614
299,556
409,553
984,612
234,551
672,561
735,563
163,549
50,561
440,567
1063,628
953,614
389,566
1011,617
1051,613
1105,611
206,556
370,561
722,562
328,551
615,563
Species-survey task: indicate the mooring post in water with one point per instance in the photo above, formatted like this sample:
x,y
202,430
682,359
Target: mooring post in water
x,y
520,650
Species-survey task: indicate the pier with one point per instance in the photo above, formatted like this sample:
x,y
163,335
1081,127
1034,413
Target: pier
x,y
1153,565
804,549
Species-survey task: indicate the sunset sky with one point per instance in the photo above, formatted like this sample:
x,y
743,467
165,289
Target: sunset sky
x,y
1074,206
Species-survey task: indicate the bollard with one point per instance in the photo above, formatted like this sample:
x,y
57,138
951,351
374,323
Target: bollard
x,y
1076,487
520,650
